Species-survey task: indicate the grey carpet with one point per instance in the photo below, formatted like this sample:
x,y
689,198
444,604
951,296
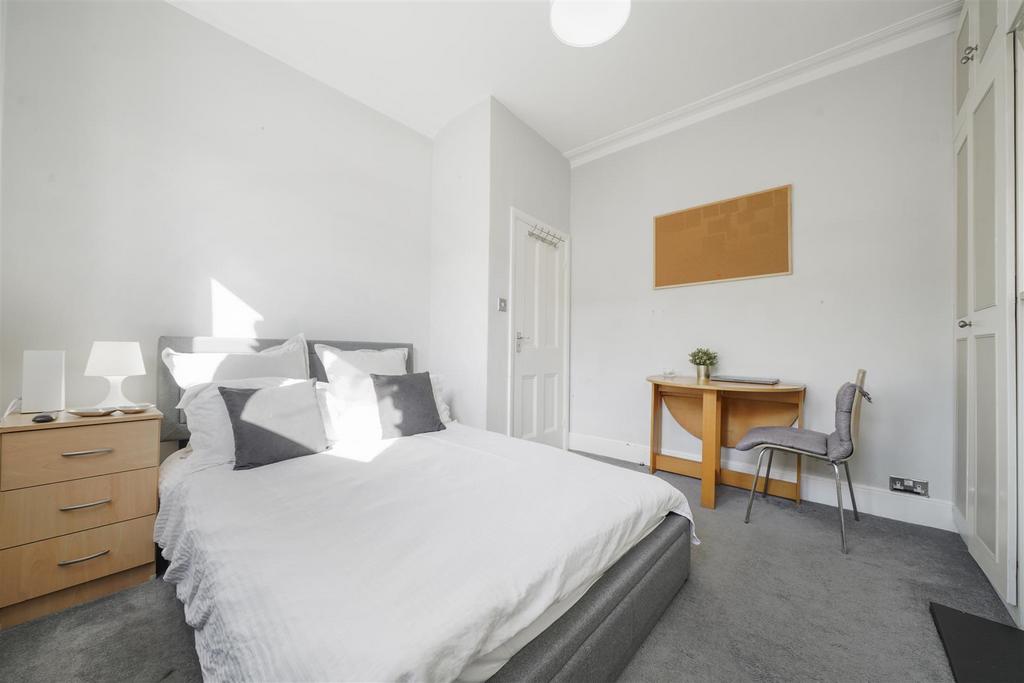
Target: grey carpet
x,y
772,600
135,635
776,600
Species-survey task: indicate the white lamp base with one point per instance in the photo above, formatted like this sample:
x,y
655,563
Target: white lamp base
x,y
115,397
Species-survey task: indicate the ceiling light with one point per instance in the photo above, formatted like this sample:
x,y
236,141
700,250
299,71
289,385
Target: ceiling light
x,y
586,23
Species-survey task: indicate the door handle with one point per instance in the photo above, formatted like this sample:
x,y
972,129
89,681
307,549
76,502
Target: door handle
x,y
968,54
964,323
520,338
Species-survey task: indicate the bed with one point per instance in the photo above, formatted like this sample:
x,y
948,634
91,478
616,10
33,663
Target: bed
x,y
429,557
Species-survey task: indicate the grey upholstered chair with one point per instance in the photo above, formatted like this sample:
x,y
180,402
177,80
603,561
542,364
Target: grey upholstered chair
x,y
836,448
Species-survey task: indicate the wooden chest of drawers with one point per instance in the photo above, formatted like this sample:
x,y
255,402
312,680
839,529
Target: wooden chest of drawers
x,y
78,498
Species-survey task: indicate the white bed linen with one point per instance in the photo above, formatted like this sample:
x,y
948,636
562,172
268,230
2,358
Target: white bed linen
x,y
416,558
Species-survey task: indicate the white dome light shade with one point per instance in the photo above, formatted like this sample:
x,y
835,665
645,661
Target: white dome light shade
x,y
586,23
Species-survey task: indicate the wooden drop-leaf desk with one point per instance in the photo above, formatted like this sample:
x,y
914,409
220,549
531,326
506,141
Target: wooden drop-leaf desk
x,y
720,413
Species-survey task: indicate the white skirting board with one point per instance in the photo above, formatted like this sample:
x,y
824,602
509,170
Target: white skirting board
x,y
870,500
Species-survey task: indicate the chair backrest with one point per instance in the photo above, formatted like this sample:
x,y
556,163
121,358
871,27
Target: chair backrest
x,y
843,441
855,413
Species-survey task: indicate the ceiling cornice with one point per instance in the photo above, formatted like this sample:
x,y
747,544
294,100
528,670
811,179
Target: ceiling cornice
x,y
904,34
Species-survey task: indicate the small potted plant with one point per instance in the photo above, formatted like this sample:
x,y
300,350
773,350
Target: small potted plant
x,y
703,358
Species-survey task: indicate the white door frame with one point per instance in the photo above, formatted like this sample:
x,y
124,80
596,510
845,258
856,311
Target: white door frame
x,y
1013,78
1014,319
515,213
1017,191
1004,42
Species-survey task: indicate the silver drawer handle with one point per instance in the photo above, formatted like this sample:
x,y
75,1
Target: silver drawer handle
x,y
65,563
82,506
94,451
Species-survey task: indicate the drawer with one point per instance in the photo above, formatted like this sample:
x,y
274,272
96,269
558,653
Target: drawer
x,y
28,571
40,512
50,455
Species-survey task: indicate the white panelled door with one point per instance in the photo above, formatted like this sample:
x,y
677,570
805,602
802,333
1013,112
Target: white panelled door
x,y
538,386
985,308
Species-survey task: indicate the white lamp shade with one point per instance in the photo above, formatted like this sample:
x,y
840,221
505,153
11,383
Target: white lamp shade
x,y
115,359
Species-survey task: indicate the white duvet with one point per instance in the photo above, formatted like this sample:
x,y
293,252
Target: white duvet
x,y
407,559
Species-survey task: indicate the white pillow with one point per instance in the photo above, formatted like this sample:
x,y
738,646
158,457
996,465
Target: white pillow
x,y
351,367
328,408
212,441
355,420
443,411
290,359
351,401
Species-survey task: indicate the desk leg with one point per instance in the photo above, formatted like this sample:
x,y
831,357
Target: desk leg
x,y
711,436
655,426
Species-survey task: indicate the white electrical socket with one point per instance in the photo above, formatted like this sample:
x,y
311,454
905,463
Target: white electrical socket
x,y
904,485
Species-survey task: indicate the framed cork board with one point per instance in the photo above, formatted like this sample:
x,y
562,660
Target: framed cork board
x,y
734,239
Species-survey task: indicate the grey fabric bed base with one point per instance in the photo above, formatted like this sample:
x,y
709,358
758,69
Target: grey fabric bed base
x,y
597,637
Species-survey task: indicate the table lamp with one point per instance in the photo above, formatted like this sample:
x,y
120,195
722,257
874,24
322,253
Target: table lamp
x,y
115,361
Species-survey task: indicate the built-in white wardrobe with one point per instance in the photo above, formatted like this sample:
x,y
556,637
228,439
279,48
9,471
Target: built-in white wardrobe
x,y
986,318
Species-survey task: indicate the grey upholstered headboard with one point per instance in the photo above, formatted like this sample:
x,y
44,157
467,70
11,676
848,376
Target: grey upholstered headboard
x,y
168,393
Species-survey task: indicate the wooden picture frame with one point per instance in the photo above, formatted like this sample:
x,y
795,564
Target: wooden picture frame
x,y
744,237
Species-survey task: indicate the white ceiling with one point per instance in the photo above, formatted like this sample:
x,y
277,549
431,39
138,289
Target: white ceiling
x,y
425,62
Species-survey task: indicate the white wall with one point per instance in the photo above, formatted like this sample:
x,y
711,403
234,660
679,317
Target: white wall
x,y
485,162
1014,10
458,261
869,156
529,174
3,70
147,154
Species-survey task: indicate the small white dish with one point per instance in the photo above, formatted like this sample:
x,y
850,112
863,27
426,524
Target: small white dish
x,y
91,412
134,408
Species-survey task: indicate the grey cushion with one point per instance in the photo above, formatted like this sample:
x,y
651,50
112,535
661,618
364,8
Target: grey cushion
x,y
406,404
787,437
840,442
274,424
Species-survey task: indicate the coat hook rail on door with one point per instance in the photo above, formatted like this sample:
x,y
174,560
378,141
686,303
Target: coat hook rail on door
x,y
544,235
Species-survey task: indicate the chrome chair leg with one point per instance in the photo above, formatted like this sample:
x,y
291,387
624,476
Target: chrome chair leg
x,y
768,472
753,488
799,463
849,482
839,500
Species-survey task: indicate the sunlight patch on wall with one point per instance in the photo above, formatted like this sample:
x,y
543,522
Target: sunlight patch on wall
x,y
229,315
